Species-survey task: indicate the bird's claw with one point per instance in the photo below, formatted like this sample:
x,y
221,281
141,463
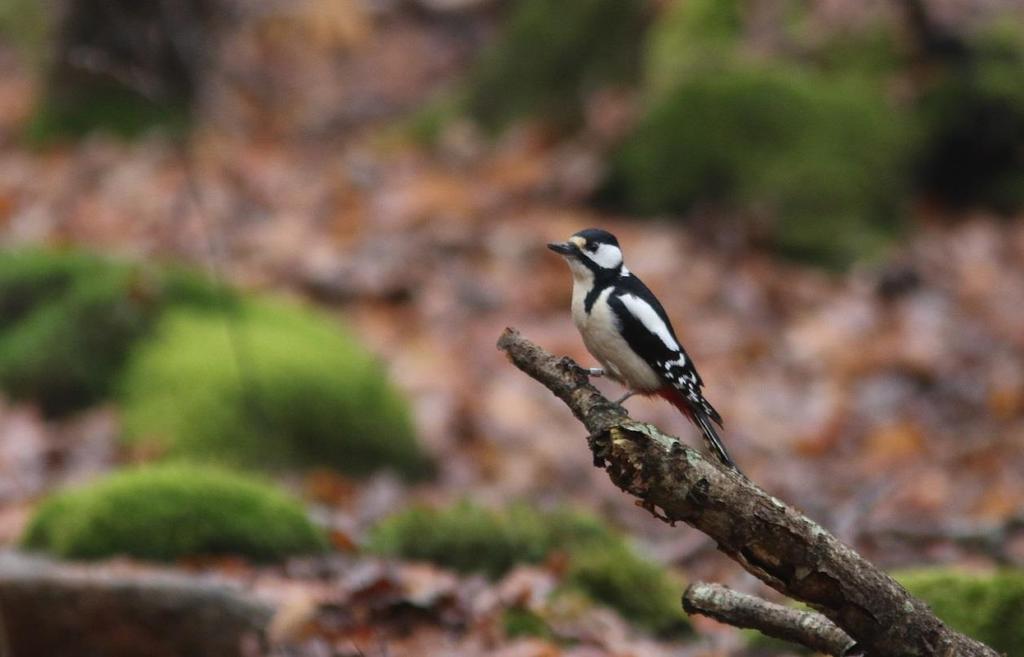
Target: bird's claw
x,y
625,397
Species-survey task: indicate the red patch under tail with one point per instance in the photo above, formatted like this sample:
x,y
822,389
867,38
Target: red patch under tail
x,y
701,420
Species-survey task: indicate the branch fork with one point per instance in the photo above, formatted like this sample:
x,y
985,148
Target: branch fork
x,y
859,607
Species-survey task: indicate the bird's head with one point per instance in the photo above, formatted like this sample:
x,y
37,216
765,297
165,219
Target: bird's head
x,y
591,252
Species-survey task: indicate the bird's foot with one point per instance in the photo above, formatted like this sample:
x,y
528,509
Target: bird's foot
x,y
625,396
594,371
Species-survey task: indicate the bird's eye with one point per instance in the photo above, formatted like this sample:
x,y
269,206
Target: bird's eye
x,y
592,247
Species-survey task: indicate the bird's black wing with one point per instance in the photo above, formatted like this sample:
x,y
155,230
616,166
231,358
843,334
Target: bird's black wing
x,y
672,362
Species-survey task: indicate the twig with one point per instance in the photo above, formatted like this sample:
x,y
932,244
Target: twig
x,y
771,540
809,629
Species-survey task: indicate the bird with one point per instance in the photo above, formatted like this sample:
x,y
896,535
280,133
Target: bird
x,y
626,329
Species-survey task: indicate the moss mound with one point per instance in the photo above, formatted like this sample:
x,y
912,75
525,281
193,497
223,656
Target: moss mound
x,y
552,54
471,539
602,566
270,384
974,120
69,320
800,153
987,607
640,590
168,512
691,37
105,107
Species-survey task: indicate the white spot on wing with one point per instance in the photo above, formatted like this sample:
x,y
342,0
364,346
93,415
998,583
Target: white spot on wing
x,y
650,319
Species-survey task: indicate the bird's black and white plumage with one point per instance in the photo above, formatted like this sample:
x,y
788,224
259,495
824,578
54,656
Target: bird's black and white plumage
x,y
625,328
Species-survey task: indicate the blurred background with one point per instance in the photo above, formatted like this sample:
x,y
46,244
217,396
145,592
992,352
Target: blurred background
x,y
256,255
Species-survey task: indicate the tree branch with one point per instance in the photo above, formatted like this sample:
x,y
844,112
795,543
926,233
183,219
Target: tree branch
x,y
741,610
771,540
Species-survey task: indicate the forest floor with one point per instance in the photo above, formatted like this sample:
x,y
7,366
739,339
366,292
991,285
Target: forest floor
x,y
886,402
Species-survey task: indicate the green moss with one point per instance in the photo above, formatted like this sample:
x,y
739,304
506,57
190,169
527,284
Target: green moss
x,y
103,107
552,54
465,537
818,160
27,24
270,384
987,607
32,277
521,622
427,124
69,320
691,37
470,539
640,590
973,116
169,512
873,51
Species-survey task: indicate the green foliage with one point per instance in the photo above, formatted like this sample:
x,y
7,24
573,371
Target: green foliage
x,y
987,607
521,622
27,25
551,54
69,320
30,278
465,537
820,157
426,124
470,539
640,590
974,120
872,52
269,384
168,512
103,107
691,36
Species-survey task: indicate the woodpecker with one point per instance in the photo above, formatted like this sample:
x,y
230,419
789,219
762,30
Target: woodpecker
x,y
626,329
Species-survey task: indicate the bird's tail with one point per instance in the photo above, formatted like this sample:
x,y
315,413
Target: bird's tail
x,y
703,421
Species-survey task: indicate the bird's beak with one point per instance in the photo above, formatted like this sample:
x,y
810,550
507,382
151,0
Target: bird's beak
x,y
563,248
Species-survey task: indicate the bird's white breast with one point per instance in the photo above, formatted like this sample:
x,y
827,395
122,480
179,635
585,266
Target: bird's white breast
x,y
603,338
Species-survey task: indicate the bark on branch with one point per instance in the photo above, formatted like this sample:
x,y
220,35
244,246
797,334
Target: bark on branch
x,y
779,545
741,610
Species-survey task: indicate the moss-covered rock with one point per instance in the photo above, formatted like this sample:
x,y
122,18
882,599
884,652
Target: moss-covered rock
x,y
640,590
270,384
816,160
465,537
169,512
973,118
136,84
691,37
987,607
69,320
105,107
552,54
601,564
